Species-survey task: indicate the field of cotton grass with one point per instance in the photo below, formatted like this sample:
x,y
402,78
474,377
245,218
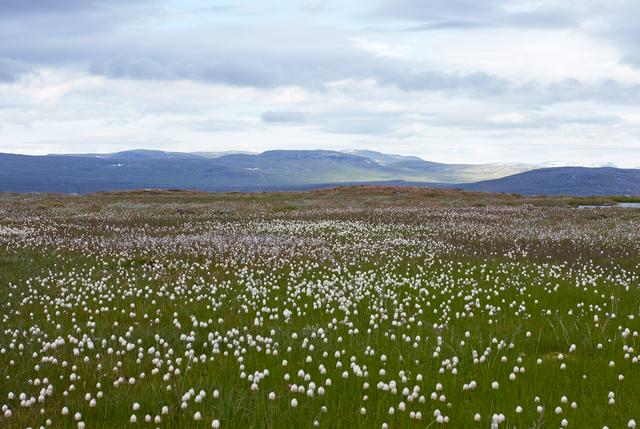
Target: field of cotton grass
x,y
348,308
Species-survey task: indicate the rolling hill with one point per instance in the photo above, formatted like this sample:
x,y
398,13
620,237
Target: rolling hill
x,y
580,181
293,169
275,169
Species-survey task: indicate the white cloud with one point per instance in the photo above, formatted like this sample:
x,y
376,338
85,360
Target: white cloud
x,y
507,118
633,118
377,49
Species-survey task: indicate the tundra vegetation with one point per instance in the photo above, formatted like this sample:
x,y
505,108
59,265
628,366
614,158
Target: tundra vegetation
x,y
343,308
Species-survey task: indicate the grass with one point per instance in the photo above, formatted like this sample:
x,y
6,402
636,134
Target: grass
x,y
142,297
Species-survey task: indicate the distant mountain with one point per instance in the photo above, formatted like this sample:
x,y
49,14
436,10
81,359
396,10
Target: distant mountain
x,y
275,169
222,153
381,158
579,181
135,155
292,169
142,154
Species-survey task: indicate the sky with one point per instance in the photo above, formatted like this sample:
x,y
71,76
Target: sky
x,y
464,81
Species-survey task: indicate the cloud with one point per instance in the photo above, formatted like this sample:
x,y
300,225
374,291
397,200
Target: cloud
x,y
42,6
478,83
339,122
284,117
567,90
315,6
265,56
11,70
513,118
105,42
377,49
429,75
22,7
446,25
633,118
359,126
437,10
472,14
618,23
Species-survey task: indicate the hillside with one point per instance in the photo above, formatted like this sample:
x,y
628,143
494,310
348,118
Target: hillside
x,y
276,169
580,181
295,170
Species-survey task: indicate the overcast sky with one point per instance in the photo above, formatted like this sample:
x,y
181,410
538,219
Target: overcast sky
x,y
449,80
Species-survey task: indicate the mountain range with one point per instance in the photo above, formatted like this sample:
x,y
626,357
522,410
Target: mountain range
x,y
295,169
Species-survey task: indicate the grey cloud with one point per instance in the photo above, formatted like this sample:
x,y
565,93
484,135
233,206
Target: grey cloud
x,y
311,70
11,70
242,72
552,18
446,25
21,7
132,66
262,56
568,90
621,27
430,80
487,86
256,61
284,117
270,57
254,69
466,14
433,10
41,6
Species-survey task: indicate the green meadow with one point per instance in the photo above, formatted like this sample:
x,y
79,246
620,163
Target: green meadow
x,y
354,307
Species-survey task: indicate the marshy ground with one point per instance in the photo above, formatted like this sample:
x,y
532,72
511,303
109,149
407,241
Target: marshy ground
x,y
352,307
